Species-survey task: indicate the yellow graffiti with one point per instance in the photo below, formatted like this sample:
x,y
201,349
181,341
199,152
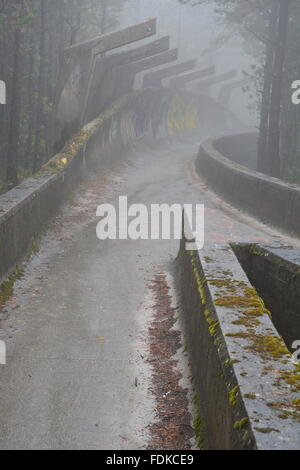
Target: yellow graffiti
x,y
183,115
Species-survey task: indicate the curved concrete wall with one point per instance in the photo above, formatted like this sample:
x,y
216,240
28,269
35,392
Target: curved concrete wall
x,y
156,114
240,148
269,199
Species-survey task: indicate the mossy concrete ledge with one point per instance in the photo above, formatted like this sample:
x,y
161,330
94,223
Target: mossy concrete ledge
x,y
27,208
226,165
248,385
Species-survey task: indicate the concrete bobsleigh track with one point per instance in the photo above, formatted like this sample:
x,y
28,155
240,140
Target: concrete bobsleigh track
x,y
78,373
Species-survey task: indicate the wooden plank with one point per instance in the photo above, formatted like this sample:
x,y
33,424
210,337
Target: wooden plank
x,y
151,62
206,84
155,78
180,81
132,55
110,41
126,74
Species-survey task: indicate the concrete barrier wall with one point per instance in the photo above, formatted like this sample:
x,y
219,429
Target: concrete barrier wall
x,y
244,379
275,274
26,209
240,148
269,199
151,113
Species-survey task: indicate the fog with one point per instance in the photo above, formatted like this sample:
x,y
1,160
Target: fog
x,y
196,31
149,227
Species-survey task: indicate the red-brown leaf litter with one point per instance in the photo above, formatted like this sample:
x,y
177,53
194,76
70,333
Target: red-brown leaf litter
x,y
172,430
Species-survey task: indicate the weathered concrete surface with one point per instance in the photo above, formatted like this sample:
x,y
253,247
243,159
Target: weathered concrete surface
x,y
241,149
155,113
269,199
74,327
241,365
26,209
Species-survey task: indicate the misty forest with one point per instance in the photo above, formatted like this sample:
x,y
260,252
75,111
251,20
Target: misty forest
x,y
149,226
34,33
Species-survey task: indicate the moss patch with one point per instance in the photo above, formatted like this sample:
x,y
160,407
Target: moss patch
x,y
233,396
249,300
7,287
199,424
268,347
238,425
201,281
62,160
236,295
287,410
230,362
266,430
246,322
212,323
292,378
250,396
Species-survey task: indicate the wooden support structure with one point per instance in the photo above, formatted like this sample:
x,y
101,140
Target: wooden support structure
x,y
102,89
76,75
204,85
155,78
128,73
151,62
182,80
133,55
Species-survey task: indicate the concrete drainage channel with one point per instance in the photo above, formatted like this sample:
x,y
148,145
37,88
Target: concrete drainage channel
x,y
275,273
244,376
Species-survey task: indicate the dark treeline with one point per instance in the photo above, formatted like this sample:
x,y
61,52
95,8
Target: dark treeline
x,y
33,34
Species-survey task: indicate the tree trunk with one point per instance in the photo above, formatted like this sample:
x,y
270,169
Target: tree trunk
x,y
15,108
31,106
276,94
76,22
262,156
40,91
103,25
